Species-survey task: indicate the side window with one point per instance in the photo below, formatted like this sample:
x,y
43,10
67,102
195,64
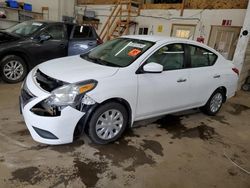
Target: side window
x,y
56,32
143,31
81,32
171,57
201,57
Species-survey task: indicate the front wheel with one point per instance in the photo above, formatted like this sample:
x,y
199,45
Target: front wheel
x,y
13,69
108,123
214,103
246,87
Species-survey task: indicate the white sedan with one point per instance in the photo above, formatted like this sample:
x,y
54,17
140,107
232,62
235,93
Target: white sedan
x,y
124,80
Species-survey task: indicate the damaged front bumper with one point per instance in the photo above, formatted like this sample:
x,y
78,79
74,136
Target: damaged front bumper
x,y
47,126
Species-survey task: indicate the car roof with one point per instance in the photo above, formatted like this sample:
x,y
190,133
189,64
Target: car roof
x,y
165,39
156,38
49,22
151,38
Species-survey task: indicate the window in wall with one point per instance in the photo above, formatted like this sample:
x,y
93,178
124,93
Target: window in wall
x,y
201,57
143,31
171,57
183,31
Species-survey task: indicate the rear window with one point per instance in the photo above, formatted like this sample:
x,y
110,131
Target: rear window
x,y
201,57
83,32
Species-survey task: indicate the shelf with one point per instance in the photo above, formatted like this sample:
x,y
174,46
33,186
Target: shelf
x,y
19,15
20,10
8,20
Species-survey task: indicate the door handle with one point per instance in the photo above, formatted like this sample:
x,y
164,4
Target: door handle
x,y
216,76
62,45
181,80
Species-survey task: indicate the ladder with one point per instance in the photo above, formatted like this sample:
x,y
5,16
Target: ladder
x,y
120,19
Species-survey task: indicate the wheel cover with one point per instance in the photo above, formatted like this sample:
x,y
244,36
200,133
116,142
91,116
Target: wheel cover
x,y
216,102
109,124
13,70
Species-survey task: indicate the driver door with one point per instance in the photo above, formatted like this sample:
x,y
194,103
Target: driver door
x,y
53,48
165,92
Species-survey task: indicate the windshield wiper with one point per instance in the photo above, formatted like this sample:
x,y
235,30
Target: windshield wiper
x,y
99,61
9,34
94,60
108,63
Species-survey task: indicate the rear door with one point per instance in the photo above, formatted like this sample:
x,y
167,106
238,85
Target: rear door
x,y
82,40
204,76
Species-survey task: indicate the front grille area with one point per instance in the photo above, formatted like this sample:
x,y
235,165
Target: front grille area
x,y
47,83
26,96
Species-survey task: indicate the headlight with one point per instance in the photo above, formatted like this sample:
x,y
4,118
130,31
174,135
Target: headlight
x,y
70,94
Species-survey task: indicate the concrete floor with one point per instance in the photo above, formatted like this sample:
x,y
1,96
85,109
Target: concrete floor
x,y
185,150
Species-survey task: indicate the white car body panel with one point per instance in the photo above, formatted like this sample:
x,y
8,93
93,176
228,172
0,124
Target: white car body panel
x,y
166,91
55,125
117,89
63,126
203,85
148,95
74,69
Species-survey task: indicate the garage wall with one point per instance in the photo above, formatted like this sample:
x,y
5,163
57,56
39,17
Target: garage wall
x,y
189,4
203,19
53,7
67,7
246,67
57,8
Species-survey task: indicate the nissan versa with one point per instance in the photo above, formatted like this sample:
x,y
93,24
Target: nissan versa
x,y
121,81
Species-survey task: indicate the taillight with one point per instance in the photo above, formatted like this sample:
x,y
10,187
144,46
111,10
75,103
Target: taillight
x,y
99,41
236,71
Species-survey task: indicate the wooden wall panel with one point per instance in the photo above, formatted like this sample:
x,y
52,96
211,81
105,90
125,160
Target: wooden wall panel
x,y
161,6
96,2
216,4
189,4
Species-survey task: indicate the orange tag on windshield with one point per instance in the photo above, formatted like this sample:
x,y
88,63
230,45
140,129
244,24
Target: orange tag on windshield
x,y
134,52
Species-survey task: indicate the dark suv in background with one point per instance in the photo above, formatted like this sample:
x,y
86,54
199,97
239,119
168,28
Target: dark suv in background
x,y
32,42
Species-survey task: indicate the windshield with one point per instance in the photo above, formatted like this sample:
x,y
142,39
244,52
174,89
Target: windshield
x,y
119,52
25,28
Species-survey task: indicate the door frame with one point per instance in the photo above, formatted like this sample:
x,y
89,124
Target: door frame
x,y
211,27
221,26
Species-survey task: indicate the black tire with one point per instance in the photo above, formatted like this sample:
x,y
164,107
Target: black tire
x,y
92,132
207,109
246,87
21,69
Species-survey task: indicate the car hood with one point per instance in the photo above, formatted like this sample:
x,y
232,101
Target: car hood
x,y
6,37
75,69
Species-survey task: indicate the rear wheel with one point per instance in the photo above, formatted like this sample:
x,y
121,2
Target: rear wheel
x,y
108,123
13,69
214,103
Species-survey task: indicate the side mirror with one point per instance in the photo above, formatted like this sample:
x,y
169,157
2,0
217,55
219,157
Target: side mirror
x,y
152,68
43,38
